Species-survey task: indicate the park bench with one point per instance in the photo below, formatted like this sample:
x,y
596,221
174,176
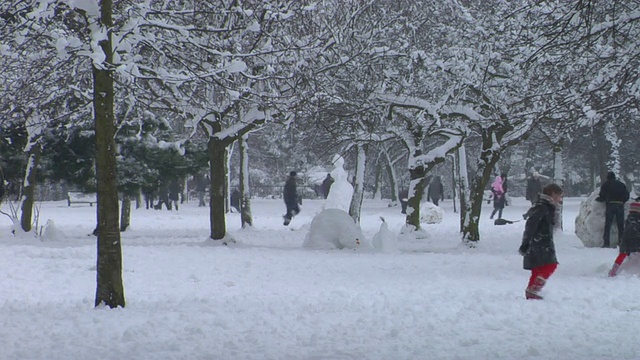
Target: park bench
x,y
78,197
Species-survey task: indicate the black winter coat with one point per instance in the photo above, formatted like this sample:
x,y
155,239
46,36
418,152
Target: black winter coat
x,y
534,187
631,236
613,190
537,241
290,192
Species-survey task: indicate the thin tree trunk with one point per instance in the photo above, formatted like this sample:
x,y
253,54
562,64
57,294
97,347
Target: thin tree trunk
x,y
26,217
463,183
358,192
245,195
110,288
125,213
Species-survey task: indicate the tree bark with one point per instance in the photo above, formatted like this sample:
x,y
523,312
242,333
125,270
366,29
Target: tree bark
x,y
245,195
125,213
26,217
358,192
110,288
217,149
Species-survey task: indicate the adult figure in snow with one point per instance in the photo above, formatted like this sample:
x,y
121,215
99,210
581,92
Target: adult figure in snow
x,y
505,188
436,191
498,197
403,195
630,242
534,187
175,189
326,185
537,246
202,183
291,199
614,194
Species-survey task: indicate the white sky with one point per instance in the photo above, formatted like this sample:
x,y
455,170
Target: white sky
x,y
267,298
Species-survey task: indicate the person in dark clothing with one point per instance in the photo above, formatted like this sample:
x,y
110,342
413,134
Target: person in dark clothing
x,y
436,191
403,195
175,189
291,199
630,242
534,187
537,246
505,187
614,194
326,185
235,199
201,189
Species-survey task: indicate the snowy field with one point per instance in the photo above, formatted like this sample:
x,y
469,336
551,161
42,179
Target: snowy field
x,y
267,298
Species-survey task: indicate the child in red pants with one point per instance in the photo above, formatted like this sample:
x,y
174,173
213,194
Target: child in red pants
x,y
537,246
630,242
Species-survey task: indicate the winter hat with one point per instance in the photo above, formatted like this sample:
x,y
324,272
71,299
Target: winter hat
x,y
634,206
293,173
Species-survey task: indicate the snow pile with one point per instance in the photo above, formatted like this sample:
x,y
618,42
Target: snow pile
x,y
51,231
341,190
385,240
589,226
431,213
334,229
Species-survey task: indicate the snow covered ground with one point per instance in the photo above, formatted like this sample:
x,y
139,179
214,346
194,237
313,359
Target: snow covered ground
x,y
268,298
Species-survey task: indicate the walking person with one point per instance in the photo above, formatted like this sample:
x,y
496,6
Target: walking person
x,y
614,194
202,183
498,197
537,246
534,187
630,242
436,191
291,199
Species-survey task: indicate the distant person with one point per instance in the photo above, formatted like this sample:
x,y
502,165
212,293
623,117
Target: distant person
x,y
201,189
175,189
534,187
614,194
630,242
291,199
537,246
326,185
403,195
235,199
505,188
436,191
498,197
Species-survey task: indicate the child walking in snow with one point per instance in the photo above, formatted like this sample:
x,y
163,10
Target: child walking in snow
x,y
537,246
498,197
630,241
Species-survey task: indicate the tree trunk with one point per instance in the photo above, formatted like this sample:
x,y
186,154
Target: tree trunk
x,y
393,179
358,192
26,218
488,159
245,195
416,192
110,288
377,181
463,183
125,213
217,151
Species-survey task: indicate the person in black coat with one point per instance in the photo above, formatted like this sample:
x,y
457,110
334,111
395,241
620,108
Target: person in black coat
x,y
614,194
326,185
291,199
537,246
630,242
534,187
436,191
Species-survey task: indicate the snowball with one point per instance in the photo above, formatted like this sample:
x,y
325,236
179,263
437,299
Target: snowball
x,y
334,229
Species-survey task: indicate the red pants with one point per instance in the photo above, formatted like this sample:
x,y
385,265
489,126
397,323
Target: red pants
x,y
543,271
621,258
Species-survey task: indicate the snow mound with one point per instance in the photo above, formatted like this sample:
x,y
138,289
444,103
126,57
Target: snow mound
x,y
385,240
51,232
334,229
589,224
431,213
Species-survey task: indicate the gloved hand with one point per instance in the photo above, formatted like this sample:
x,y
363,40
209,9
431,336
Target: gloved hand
x,y
523,249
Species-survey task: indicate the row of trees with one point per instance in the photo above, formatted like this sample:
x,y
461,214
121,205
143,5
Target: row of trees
x,y
397,84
